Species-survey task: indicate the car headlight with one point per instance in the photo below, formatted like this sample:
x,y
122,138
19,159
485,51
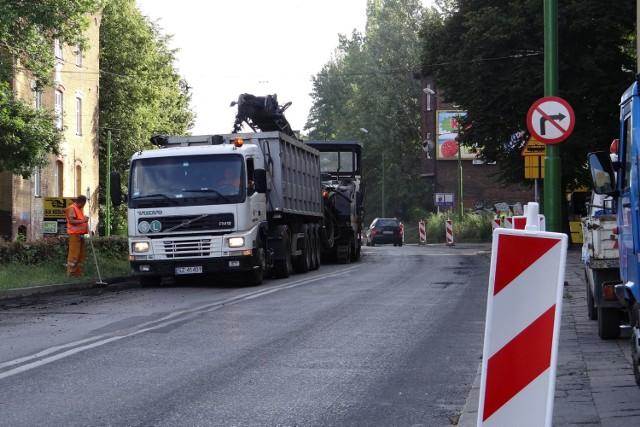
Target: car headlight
x,y
236,242
141,247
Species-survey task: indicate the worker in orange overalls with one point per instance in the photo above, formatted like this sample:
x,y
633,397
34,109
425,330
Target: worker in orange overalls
x,y
77,227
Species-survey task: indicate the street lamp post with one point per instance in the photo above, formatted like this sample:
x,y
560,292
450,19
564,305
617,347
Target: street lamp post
x,y
382,199
460,204
430,91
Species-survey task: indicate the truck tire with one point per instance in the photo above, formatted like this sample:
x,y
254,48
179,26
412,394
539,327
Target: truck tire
x,y
256,276
315,251
355,250
282,268
302,264
635,341
609,322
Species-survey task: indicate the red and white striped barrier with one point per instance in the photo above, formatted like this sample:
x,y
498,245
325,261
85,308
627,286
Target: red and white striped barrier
x,y
449,232
508,222
522,326
496,223
519,222
423,232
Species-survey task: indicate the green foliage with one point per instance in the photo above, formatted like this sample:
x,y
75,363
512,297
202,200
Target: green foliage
x,y
26,135
472,228
40,252
487,56
141,93
29,28
369,84
27,33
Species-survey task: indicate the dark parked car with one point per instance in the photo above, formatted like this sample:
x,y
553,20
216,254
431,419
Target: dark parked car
x,y
385,231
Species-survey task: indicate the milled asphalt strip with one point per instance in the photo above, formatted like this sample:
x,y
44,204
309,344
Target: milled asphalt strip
x,y
55,353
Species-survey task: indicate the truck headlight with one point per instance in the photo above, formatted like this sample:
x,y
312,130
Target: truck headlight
x,y
236,242
141,247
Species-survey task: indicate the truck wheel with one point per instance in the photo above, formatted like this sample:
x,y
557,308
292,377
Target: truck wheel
x,y
355,250
313,240
150,281
256,276
609,322
318,246
303,261
343,253
282,268
635,342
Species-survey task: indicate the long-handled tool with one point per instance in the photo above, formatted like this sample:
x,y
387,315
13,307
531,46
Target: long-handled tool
x,y
95,258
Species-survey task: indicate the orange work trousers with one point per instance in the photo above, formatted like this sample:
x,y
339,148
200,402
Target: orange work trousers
x,y
77,254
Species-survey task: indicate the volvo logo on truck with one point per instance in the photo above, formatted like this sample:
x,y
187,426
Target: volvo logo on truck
x,y
150,213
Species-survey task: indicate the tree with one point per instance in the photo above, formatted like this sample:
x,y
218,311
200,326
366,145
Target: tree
x,y
141,93
27,34
487,56
369,84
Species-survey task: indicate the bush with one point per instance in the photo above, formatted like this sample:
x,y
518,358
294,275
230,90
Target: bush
x,y
56,248
472,229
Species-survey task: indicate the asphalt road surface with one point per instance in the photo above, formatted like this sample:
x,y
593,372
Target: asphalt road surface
x,y
393,340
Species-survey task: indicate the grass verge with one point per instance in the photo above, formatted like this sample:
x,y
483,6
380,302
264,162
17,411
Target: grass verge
x,y
15,275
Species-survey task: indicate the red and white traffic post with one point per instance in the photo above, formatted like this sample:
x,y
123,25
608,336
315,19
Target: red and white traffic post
x,y
449,232
423,232
524,306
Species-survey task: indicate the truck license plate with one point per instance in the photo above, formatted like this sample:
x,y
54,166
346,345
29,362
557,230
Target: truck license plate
x,y
189,270
387,232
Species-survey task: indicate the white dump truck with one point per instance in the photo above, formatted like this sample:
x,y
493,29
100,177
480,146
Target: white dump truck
x,y
248,204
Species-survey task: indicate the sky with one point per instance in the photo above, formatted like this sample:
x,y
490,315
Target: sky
x,y
227,48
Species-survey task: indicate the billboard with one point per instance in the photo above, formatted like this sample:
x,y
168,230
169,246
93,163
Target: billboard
x,y
448,126
55,221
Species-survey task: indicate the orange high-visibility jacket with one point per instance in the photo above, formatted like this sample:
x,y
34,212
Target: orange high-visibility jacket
x,y
76,228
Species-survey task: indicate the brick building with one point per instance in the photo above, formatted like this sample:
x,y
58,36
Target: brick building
x,y
74,98
480,187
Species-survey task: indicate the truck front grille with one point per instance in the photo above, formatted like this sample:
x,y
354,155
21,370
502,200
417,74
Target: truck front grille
x,y
187,248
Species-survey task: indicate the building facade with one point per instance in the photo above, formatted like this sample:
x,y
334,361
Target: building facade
x,y
442,163
74,99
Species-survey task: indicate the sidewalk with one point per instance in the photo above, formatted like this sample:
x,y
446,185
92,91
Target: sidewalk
x,y
594,382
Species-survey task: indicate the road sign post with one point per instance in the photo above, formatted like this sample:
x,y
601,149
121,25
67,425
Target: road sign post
x,y
551,120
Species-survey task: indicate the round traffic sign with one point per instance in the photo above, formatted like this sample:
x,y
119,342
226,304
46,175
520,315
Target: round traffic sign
x,y
551,119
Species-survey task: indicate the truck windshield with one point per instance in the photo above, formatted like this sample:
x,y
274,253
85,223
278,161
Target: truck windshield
x,y
333,162
187,180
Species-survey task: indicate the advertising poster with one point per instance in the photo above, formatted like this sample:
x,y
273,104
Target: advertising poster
x,y
54,221
448,127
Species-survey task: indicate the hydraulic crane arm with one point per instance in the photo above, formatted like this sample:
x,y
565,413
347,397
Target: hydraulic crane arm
x,y
262,113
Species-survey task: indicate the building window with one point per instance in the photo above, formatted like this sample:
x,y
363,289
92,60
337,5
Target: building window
x,y
37,99
78,179
57,179
78,56
57,108
78,116
37,182
58,49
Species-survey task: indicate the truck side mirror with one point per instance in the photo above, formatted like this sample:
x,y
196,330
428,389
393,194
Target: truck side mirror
x,y
260,176
602,176
115,190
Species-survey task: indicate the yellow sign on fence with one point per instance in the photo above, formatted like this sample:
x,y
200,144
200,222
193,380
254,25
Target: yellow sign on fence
x,y
54,207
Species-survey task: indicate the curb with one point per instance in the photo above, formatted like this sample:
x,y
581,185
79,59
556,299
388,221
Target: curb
x,y
18,293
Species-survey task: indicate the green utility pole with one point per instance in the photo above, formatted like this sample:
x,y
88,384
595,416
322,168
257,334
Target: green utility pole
x,y
552,170
460,197
384,202
107,220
